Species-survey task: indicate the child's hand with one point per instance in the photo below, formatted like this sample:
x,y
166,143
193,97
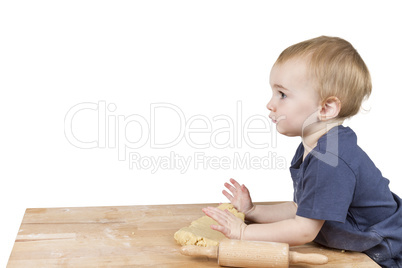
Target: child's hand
x,y
241,199
231,226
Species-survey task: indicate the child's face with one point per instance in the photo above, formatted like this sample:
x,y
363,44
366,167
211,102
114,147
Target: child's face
x,y
294,103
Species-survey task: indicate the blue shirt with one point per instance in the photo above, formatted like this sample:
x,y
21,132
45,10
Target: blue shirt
x,y
337,182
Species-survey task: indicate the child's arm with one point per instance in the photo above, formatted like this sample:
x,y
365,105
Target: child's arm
x,y
272,213
241,200
295,231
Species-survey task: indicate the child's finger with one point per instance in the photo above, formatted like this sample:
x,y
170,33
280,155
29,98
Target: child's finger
x,y
229,215
235,183
230,188
221,229
228,196
244,189
215,214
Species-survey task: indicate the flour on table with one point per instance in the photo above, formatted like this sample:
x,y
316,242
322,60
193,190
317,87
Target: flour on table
x,y
200,233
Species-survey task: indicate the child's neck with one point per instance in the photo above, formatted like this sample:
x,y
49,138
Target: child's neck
x,y
315,132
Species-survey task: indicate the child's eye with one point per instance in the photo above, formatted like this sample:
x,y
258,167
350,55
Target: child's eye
x,y
283,95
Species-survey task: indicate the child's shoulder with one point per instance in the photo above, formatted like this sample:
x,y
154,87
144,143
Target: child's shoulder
x,y
339,144
339,140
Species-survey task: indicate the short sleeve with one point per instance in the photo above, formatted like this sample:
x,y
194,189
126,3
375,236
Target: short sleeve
x,y
326,190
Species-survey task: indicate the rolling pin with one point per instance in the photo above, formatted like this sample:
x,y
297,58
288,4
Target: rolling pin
x,y
240,253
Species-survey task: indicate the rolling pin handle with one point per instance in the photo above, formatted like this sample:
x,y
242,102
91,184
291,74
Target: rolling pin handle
x,y
313,258
196,251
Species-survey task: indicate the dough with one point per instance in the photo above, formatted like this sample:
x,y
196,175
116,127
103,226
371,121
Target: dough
x,y
200,233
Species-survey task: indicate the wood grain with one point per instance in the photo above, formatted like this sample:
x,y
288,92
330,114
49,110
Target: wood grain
x,y
131,236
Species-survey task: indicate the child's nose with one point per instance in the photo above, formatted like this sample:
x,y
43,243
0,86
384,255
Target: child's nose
x,y
270,106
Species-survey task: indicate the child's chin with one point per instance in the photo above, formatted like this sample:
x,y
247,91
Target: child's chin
x,y
285,131
281,130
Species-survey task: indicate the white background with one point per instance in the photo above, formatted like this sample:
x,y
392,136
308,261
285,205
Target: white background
x,y
200,56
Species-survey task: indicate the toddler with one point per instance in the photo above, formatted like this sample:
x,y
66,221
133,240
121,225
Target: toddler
x,y
341,199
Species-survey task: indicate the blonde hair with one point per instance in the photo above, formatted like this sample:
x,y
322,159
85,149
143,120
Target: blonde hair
x,y
337,69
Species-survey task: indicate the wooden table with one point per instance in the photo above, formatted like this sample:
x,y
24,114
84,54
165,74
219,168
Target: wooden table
x,y
131,236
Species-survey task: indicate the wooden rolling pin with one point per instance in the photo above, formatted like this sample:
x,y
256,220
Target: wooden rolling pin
x,y
240,253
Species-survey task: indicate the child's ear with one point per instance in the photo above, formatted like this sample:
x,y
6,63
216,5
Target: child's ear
x,y
330,108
